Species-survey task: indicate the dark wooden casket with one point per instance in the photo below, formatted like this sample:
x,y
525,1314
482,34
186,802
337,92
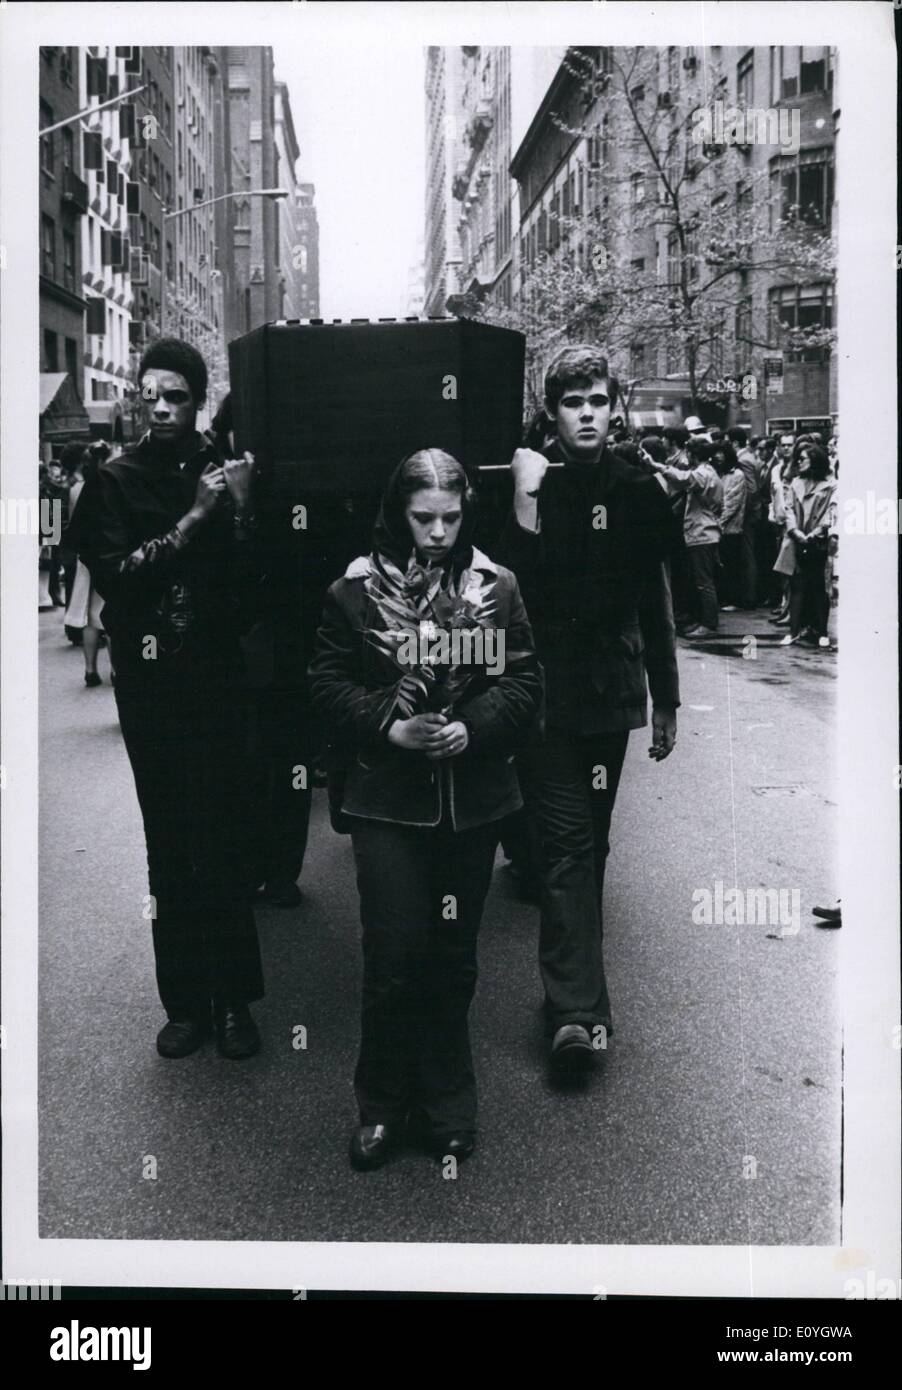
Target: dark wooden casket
x,y
329,410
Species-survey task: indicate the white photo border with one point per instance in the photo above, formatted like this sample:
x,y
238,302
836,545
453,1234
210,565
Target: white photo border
x,y
868,666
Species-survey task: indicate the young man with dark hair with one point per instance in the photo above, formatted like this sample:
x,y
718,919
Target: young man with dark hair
x,y
167,532
588,542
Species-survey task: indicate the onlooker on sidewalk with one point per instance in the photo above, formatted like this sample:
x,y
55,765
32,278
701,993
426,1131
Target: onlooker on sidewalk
x,y
731,576
780,477
811,530
698,479
754,469
675,442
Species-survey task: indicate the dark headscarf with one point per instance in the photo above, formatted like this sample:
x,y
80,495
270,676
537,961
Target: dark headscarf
x,y
391,533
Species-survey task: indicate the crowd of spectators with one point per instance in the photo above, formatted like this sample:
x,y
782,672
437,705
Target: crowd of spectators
x,y
755,524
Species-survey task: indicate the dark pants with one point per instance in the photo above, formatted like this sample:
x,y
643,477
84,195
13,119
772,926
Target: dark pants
x,y
681,584
280,763
731,578
419,969
572,817
809,602
748,584
776,583
702,562
183,737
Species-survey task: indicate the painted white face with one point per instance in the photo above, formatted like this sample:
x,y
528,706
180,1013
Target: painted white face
x,y
169,406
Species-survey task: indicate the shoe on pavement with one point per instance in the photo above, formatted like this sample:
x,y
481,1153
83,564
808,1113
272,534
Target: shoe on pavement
x,y
780,622
457,1144
571,1049
182,1036
823,641
92,679
281,892
729,608
237,1035
700,631
788,640
371,1145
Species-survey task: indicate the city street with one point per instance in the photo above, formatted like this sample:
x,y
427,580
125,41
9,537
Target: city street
x,y
713,1117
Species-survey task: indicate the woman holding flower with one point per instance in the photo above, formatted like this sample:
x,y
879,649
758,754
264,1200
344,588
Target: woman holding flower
x,y
427,747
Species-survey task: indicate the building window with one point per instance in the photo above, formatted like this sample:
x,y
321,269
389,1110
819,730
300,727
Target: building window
x,y
69,261
48,247
71,350
796,71
802,187
745,80
637,359
46,140
51,358
800,307
67,66
637,193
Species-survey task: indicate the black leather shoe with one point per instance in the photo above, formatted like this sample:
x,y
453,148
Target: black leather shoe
x,y
571,1050
182,1036
281,892
459,1145
237,1035
371,1145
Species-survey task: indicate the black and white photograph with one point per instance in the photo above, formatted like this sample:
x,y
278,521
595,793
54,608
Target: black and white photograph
x,y
450,648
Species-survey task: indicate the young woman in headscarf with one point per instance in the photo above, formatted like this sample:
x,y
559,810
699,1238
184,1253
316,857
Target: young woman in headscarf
x,y
426,678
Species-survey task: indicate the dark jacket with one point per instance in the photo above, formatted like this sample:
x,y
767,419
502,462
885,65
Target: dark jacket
x,y
194,596
599,595
352,688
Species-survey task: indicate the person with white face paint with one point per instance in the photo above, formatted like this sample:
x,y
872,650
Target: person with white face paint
x,y
166,531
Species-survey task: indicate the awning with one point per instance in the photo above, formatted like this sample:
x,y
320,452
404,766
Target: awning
x,y
103,417
63,416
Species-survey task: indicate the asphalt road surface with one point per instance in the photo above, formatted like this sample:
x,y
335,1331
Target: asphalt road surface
x,y
713,1116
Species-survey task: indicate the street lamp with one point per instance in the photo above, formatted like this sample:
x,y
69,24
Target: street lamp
x,y
238,193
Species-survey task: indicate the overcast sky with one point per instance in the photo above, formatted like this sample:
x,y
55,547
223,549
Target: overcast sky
x,y
359,115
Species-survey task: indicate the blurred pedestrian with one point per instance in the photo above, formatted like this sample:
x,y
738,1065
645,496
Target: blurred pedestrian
x,y
85,604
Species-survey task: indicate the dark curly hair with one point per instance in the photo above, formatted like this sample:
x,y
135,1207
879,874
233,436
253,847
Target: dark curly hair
x,y
172,355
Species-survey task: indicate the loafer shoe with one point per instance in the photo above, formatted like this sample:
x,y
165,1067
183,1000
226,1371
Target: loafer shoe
x,y
237,1035
371,1145
571,1049
458,1144
281,892
182,1036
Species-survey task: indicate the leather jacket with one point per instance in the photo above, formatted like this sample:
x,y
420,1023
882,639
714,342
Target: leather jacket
x,y
353,690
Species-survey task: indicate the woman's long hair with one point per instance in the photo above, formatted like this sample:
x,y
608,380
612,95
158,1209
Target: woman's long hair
x,y
426,468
